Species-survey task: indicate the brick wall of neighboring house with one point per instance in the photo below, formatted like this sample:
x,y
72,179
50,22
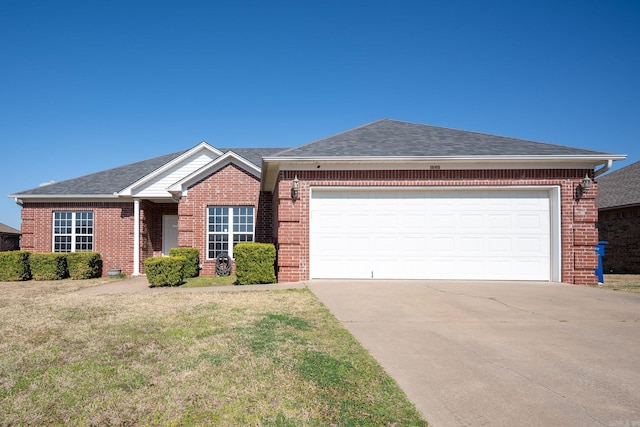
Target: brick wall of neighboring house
x,y
230,186
621,228
113,230
579,235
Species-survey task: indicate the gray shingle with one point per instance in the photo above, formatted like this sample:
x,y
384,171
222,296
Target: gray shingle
x,y
392,138
113,180
105,182
254,155
619,188
5,229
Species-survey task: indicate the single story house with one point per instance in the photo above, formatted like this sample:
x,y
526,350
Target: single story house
x,y
389,199
618,204
9,238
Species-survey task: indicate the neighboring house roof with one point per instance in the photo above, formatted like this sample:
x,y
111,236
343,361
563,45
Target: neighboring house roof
x,y
619,188
393,138
5,229
111,181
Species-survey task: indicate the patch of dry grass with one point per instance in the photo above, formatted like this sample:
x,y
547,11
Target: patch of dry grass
x,y
272,358
622,282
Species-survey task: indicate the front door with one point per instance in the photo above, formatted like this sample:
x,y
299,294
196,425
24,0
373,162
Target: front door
x,y
169,233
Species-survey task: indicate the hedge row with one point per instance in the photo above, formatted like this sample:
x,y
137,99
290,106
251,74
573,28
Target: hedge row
x,y
255,263
165,271
23,265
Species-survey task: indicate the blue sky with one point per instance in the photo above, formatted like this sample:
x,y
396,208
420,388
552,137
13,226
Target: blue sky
x,y
90,85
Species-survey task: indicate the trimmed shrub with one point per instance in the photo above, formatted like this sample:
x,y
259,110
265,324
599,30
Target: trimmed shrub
x,y
165,271
48,265
14,266
255,263
84,265
192,263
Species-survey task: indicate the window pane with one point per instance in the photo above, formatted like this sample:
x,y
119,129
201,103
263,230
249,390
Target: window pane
x,y
227,224
72,231
218,243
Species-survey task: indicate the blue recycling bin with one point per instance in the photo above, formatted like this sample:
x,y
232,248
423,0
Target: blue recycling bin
x,y
600,252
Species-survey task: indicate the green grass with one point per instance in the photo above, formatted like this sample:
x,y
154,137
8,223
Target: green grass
x,y
204,281
267,358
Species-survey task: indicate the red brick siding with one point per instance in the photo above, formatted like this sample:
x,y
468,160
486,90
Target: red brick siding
x,y
230,186
621,228
578,218
113,230
151,228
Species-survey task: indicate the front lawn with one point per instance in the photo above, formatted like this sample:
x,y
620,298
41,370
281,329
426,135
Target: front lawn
x,y
622,282
270,358
204,281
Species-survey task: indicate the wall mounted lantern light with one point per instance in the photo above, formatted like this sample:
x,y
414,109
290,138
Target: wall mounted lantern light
x,y
294,188
583,187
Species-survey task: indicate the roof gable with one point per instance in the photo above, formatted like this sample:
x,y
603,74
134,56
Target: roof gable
x,y
393,138
155,183
105,182
619,188
211,168
150,178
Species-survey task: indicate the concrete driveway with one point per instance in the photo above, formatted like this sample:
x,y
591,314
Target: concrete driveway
x,y
500,353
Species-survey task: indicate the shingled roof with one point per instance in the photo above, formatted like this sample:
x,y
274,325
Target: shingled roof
x,y
5,229
113,180
393,138
619,188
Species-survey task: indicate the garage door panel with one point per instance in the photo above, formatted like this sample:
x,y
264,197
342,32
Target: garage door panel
x,y
530,245
500,245
470,245
471,223
467,234
355,221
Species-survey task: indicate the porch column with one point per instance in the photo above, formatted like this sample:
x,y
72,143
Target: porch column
x,y
136,237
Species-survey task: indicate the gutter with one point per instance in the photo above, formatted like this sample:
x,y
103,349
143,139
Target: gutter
x,y
473,159
603,169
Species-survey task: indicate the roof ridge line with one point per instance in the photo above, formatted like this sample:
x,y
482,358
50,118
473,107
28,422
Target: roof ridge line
x,y
334,135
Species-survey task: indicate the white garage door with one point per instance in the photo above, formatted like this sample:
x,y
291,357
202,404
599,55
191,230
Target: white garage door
x,y
434,234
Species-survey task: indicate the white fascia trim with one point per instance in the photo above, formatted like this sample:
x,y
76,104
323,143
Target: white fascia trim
x,y
42,198
447,159
272,165
128,191
213,167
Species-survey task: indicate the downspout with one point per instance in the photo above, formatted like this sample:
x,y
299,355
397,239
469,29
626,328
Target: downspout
x,y
18,201
136,237
603,169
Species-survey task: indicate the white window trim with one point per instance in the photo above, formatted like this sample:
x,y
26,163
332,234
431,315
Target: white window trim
x,y
230,232
73,230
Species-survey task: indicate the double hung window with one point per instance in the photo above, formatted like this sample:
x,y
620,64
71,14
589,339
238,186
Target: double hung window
x,y
228,224
73,231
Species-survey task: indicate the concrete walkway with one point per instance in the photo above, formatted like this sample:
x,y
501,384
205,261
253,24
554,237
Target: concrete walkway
x,y
500,353
140,284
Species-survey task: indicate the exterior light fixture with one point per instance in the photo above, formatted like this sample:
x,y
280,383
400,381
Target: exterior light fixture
x,y
294,188
583,187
